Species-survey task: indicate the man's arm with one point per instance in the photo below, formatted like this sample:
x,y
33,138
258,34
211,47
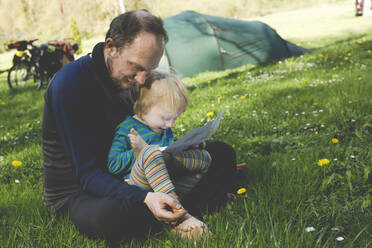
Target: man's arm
x,y
80,131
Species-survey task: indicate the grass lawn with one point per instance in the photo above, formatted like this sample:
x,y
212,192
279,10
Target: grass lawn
x,y
303,126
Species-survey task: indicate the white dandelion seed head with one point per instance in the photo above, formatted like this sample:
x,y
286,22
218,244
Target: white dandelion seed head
x,y
340,239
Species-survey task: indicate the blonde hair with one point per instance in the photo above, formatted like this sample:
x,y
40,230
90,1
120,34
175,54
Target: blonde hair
x,y
161,88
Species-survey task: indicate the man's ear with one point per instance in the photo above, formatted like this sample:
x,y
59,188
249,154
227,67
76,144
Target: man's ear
x,y
110,46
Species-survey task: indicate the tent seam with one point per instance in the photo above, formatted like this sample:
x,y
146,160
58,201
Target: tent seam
x,y
215,36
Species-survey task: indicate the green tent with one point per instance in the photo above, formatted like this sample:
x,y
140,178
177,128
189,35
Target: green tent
x,y
199,43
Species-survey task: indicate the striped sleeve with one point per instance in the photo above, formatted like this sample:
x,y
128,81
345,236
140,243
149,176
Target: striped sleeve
x,y
121,156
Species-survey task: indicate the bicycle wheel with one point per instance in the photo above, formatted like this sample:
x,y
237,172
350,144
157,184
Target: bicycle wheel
x,y
17,75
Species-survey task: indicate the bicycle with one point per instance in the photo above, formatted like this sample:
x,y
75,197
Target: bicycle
x,y
25,63
39,62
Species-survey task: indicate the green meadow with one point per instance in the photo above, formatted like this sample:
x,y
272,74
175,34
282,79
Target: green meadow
x,y
303,126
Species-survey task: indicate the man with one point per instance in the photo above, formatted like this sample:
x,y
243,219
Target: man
x,y
84,103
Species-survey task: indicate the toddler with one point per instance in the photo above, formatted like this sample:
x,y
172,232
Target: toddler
x,y
136,154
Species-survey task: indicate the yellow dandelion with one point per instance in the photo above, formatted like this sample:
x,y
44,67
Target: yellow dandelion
x,y
241,191
349,54
301,144
315,104
28,124
242,97
323,70
316,132
16,163
334,75
287,133
323,161
210,114
2,103
369,51
360,42
259,142
334,68
341,63
367,125
335,141
321,55
233,145
305,80
346,58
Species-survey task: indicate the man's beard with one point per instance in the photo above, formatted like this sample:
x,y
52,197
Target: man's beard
x,y
122,82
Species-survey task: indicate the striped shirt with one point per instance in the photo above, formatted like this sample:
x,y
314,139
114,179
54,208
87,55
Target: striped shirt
x,y
122,156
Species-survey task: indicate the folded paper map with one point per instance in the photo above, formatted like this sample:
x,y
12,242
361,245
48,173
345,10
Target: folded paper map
x,y
196,136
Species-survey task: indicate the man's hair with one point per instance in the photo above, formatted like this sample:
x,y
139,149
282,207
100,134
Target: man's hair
x,y
125,27
161,88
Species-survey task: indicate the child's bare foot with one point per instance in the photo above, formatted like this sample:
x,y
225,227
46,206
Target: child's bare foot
x,y
191,228
136,141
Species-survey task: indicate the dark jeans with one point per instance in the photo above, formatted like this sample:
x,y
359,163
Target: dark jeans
x,y
114,220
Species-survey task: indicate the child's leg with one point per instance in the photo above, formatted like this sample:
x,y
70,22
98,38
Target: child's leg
x,y
197,162
149,171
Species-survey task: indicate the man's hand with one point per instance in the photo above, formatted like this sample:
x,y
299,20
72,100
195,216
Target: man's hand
x,y
157,202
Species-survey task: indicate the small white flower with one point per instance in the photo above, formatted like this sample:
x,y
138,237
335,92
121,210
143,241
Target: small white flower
x,y
16,181
352,120
5,138
296,114
335,159
309,229
340,238
336,229
289,97
1,158
265,113
352,156
293,159
287,112
303,113
308,124
320,110
322,125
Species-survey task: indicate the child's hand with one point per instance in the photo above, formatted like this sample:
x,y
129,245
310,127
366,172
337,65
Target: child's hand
x,y
201,145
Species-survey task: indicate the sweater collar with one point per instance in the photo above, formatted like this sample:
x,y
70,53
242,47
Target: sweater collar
x,y
100,65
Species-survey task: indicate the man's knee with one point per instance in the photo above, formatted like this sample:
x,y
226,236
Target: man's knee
x,y
222,155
